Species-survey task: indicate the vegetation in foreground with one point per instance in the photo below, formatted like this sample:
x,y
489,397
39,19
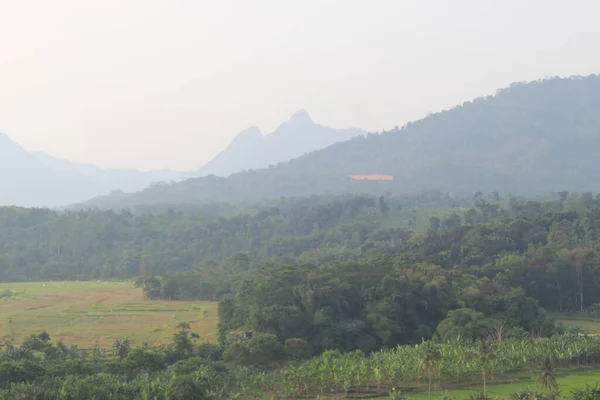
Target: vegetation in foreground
x,y
91,314
518,384
260,367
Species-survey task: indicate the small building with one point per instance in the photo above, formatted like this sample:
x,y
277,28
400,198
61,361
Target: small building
x,y
355,178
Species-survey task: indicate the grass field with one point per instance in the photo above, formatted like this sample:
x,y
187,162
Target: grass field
x,y
567,380
590,325
97,313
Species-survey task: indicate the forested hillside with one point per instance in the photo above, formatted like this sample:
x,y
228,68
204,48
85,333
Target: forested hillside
x,y
521,140
39,244
547,248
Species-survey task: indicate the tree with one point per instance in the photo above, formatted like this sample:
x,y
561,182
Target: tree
x,y
237,354
547,378
498,330
429,355
483,353
183,339
451,221
465,323
265,350
122,346
383,207
562,196
434,224
296,349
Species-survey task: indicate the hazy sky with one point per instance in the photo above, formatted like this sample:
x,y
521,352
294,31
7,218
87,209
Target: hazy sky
x,y
153,84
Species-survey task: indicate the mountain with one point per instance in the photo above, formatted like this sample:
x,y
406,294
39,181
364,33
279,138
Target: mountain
x,y
27,181
529,138
38,179
251,150
128,180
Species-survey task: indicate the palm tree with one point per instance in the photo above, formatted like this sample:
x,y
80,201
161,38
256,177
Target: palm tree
x,y
429,355
547,378
122,346
483,353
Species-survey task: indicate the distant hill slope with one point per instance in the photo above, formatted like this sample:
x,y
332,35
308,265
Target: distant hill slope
x,y
529,138
128,180
251,150
39,180
27,181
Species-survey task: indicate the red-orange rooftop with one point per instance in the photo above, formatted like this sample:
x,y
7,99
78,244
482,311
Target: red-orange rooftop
x,y
372,177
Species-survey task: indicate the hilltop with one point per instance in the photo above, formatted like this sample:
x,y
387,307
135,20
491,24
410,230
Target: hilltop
x,y
528,138
251,150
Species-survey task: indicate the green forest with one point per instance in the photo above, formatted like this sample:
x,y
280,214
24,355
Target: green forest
x,y
327,294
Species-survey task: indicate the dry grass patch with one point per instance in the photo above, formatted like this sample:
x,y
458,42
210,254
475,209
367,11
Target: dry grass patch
x,y
97,313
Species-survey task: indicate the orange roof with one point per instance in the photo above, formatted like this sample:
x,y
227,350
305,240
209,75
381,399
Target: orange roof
x,y
372,177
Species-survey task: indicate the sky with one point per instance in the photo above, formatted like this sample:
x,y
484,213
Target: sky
x,y
154,84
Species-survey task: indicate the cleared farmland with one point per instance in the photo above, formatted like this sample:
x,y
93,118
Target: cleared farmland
x,y
96,313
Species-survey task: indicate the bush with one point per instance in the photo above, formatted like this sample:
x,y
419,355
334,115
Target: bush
x,y
396,394
296,349
479,396
594,310
528,394
589,393
6,293
265,350
210,351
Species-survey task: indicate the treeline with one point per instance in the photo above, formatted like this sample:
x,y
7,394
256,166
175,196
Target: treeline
x,y
39,244
549,249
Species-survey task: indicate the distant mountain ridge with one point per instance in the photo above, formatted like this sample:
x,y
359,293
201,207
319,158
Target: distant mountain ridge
x,y
40,180
251,150
529,138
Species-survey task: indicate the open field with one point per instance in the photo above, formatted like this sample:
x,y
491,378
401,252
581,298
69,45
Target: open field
x,y
567,380
590,325
97,313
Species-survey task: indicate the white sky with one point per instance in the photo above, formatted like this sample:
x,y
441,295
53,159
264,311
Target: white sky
x,y
153,84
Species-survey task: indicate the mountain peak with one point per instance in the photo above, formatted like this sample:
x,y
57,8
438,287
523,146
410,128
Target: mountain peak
x,y
249,135
301,117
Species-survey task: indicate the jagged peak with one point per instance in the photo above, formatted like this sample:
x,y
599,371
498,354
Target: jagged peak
x,y
301,116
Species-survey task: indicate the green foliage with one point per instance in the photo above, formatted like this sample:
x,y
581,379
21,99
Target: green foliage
x,y
122,347
527,394
590,392
396,394
237,354
7,293
547,378
464,322
479,396
296,349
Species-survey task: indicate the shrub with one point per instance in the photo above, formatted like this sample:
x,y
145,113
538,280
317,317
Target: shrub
x,y
296,349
